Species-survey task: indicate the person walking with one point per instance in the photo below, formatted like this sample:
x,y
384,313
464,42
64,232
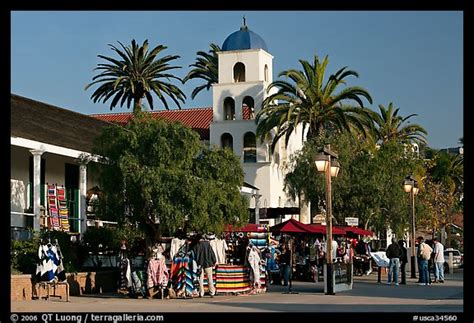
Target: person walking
x,y
394,253
206,259
438,261
403,261
423,254
285,261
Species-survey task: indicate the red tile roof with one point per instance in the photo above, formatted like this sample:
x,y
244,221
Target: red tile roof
x,y
197,119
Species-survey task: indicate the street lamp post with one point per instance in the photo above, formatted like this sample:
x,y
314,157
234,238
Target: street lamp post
x,y
326,161
410,185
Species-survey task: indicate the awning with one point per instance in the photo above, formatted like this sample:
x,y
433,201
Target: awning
x,y
290,226
319,228
249,189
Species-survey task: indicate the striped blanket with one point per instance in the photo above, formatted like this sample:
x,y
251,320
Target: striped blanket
x,y
233,279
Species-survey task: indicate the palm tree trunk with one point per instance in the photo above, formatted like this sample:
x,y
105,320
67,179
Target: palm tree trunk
x,y
137,106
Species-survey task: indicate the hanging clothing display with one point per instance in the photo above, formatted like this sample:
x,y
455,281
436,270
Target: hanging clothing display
x,y
47,266
54,223
63,210
184,273
125,282
258,235
157,273
58,211
182,276
176,244
60,271
219,246
138,283
254,262
258,242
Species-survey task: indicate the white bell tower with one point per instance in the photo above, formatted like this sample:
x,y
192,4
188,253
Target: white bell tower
x,y
245,71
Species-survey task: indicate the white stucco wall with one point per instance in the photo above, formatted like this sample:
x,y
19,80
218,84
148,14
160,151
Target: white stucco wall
x,y
237,128
236,91
268,172
19,161
254,61
54,174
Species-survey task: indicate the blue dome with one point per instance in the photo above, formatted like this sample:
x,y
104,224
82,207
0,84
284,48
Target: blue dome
x,y
244,39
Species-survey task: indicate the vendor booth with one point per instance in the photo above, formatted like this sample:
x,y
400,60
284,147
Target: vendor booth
x,y
244,270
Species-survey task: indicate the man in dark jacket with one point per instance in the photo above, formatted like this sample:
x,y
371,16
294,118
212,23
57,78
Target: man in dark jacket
x,y
394,253
206,259
403,261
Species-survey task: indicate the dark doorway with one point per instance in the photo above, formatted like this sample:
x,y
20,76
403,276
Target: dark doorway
x,y
71,182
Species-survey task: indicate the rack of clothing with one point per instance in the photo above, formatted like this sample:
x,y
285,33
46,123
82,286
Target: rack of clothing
x,y
157,273
125,278
50,262
50,273
58,210
184,273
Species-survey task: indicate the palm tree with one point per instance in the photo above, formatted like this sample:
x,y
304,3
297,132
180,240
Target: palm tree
x,y
308,101
388,125
135,75
206,68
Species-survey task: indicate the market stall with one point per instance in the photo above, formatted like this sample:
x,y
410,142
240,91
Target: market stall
x,y
244,270
294,234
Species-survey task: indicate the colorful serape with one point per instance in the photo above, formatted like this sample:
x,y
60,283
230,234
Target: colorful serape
x,y
54,223
63,211
233,279
182,276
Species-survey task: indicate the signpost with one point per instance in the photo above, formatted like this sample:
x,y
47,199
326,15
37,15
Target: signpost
x,y
352,221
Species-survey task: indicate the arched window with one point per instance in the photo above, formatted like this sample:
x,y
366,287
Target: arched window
x,y
227,141
239,72
265,73
248,110
250,148
229,109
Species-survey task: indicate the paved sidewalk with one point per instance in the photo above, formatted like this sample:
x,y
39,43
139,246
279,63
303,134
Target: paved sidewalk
x,y
366,296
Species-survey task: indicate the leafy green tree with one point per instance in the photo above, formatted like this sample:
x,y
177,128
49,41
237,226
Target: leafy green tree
x,y
443,194
135,75
159,176
391,126
308,100
205,68
369,184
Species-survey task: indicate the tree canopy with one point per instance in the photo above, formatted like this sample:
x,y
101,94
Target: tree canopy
x,y
369,184
309,100
205,68
158,175
136,74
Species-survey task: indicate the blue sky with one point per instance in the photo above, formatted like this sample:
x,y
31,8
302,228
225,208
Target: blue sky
x,y
411,58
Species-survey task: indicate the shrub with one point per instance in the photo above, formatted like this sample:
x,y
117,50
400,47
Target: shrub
x,y
24,256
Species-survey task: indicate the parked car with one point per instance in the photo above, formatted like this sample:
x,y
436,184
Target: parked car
x,y
458,259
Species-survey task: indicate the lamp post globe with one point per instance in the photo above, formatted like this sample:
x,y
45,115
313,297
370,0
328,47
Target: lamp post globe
x,y
326,161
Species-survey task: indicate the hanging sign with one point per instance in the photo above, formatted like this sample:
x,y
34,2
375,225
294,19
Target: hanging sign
x,y
319,219
352,221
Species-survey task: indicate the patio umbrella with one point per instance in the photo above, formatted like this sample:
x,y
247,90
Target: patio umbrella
x,y
290,226
319,228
